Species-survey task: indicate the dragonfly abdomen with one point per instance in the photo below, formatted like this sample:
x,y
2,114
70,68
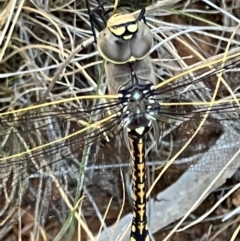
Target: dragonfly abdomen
x,y
139,227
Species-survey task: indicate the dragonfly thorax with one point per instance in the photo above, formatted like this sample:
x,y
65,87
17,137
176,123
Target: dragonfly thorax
x,y
139,107
139,112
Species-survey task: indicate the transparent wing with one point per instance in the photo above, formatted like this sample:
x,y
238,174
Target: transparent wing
x,y
53,143
204,112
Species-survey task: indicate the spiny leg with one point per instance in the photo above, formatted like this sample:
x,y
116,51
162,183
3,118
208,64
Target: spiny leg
x,y
94,20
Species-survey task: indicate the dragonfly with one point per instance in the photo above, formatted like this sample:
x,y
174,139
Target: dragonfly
x,y
52,142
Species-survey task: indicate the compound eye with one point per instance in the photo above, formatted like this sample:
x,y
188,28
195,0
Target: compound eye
x,y
119,30
132,28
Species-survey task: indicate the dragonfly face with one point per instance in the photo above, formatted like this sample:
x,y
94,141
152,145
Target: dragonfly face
x,y
123,26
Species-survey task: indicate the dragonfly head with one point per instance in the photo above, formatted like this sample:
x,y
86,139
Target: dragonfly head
x,y
125,39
